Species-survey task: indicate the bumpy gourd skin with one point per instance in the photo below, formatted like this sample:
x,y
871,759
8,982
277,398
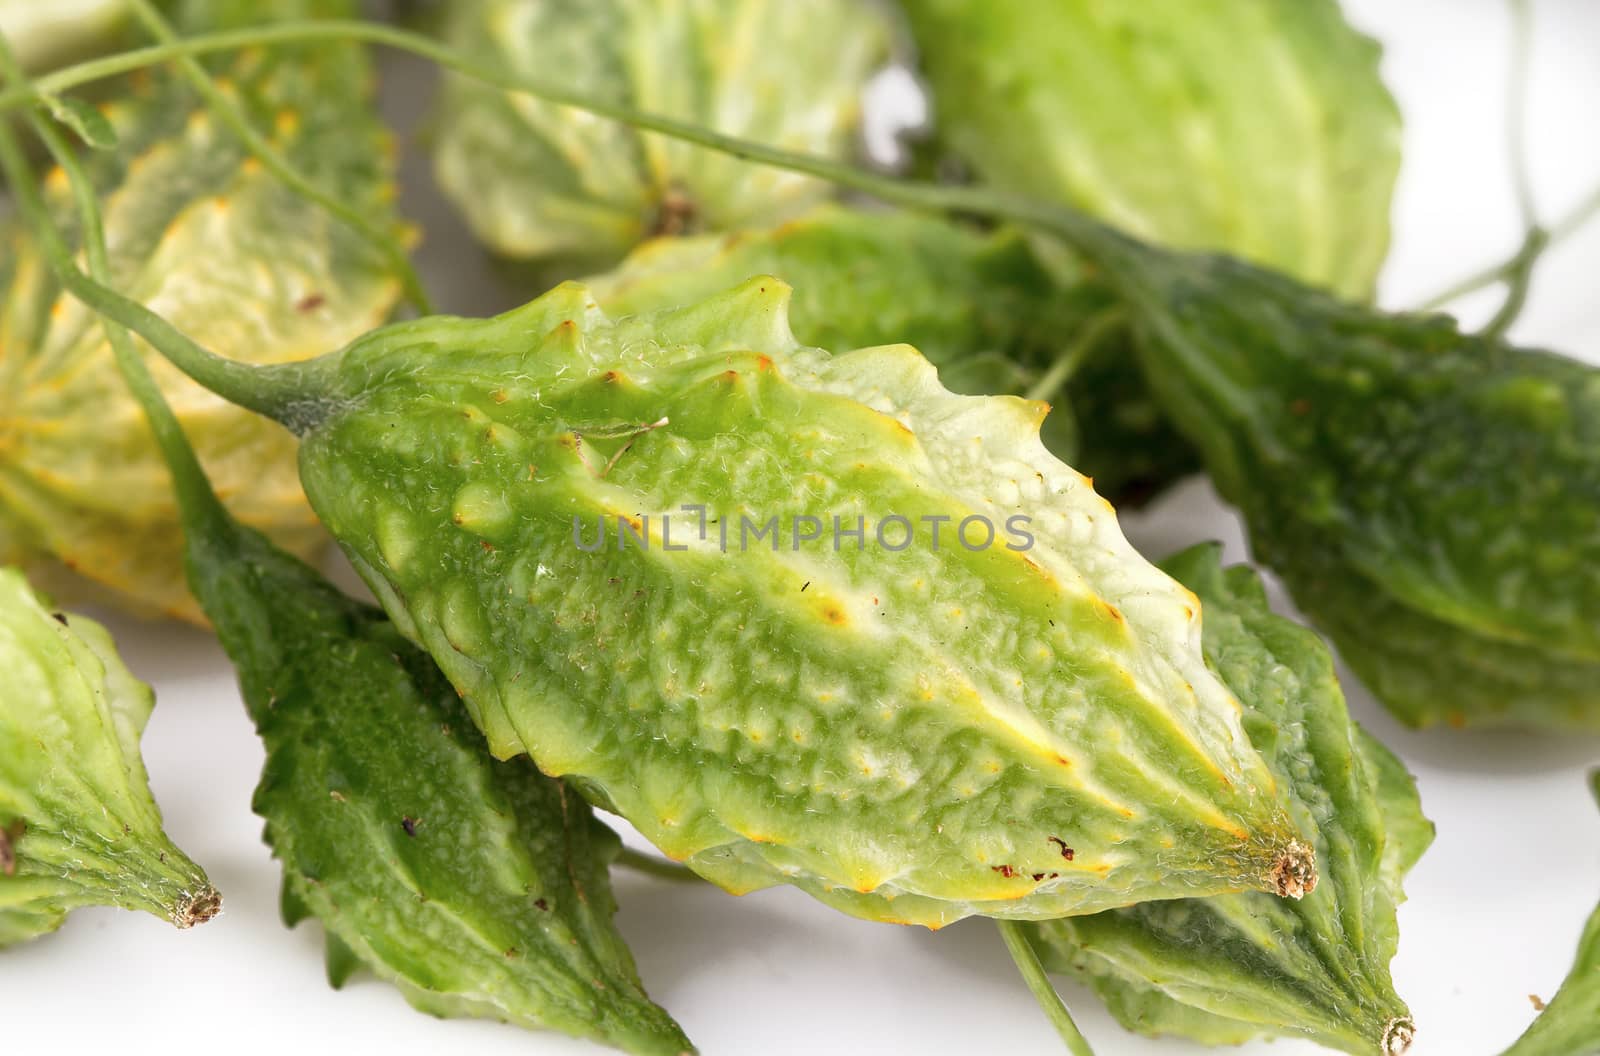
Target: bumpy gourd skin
x,y
982,308
541,181
1226,969
910,735
78,826
477,887
1255,127
1430,498
206,237
1570,1023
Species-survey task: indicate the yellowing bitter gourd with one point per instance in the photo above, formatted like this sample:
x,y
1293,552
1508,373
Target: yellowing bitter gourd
x,y
1259,128
78,826
202,233
1570,1023
537,180
914,732
1222,970
981,307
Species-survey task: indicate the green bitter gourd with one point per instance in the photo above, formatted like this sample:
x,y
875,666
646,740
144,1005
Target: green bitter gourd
x,y
78,825
1225,969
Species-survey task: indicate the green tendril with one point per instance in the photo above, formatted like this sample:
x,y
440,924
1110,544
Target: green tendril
x,y
1075,354
189,480
288,392
1069,223
1516,272
231,115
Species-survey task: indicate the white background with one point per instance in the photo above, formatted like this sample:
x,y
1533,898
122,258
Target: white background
x,y
1495,907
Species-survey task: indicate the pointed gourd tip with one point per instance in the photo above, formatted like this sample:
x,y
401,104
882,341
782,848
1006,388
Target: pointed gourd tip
x,y
196,908
1294,873
1397,1036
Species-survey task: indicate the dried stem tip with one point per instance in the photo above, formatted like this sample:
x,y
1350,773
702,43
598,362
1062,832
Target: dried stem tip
x,y
197,908
1294,874
1397,1036
8,854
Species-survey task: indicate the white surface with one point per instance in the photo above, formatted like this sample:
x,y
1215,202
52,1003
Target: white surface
x,y
1495,907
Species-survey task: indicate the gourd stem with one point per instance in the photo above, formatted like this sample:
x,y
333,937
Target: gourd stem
x,y
1027,961
1074,226
650,865
289,392
194,492
1519,281
1073,357
231,115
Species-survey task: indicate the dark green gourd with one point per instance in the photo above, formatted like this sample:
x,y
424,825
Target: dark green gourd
x,y
1431,498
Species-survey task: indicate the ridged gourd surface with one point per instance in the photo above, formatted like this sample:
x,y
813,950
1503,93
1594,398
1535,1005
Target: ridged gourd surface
x,y
910,734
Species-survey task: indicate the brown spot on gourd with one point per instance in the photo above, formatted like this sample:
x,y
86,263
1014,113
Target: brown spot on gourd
x,y
1006,871
1114,613
764,364
310,303
499,396
10,836
1066,852
409,824
834,615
